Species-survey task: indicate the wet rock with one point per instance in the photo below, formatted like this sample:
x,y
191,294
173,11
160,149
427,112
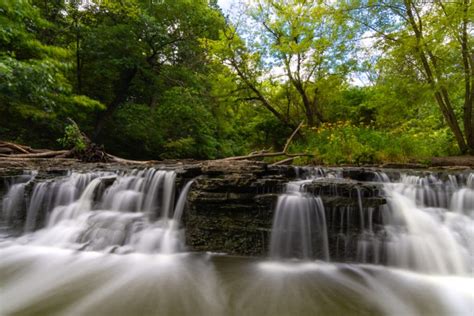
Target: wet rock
x,y
231,204
230,207
343,192
231,210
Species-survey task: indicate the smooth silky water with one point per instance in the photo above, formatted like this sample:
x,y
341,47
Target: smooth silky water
x,y
113,245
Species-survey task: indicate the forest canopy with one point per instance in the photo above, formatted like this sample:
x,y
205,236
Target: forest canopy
x,y
372,81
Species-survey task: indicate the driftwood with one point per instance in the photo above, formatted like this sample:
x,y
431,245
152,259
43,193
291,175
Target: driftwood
x,y
15,147
284,152
16,151
91,153
128,161
96,153
46,154
12,150
284,161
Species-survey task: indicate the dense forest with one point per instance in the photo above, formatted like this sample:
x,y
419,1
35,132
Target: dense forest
x,y
372,81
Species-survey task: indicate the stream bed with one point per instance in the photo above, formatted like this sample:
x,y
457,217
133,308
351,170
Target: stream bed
x,y
115,243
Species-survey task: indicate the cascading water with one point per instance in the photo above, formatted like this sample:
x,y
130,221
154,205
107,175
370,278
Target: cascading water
x,y
431,227
299,226
14,199
428,223
134,213
111,243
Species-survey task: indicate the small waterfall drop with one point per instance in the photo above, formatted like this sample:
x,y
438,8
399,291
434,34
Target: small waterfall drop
x,y
164,236
13,200
431,227
299,226
104,211
427,224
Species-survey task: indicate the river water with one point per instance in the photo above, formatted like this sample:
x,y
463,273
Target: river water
x,y
113,245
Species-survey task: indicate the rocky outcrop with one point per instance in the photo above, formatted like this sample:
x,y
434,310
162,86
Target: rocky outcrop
x,y
230,209
231,203
230,206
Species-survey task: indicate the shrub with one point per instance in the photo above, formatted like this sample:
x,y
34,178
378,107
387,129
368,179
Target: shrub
x,y
343,142
73,138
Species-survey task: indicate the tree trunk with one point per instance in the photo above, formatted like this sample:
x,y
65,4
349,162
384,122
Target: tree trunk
x,y
259,96
468,61
307,104
121,92
440,91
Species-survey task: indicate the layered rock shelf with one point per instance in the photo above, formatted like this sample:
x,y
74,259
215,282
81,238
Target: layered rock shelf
x,y
231,204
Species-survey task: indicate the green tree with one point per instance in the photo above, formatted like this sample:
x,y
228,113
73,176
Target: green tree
x,y
35,93
291,46
133,53
142,48
433,40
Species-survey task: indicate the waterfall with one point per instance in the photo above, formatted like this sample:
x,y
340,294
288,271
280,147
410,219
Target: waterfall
x,y
165,236
49,194
431,228
76,208
427,224
178,211
112,243
299,226
40,194
13,200
103,211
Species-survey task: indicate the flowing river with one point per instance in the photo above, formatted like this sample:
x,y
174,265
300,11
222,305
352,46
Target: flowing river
x,y
112,243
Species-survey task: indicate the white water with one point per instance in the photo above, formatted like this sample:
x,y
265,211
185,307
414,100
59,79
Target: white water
x,y
128,212
299,229
132,259
53,281
431,228
13,200
299,226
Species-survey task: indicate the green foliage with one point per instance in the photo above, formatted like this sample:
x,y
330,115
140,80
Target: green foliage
x,y
343,142
178,127
298,51
176,79
34,89
73,138
132,133
428,45
188,125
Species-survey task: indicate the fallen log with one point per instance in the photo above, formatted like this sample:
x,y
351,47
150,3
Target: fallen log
x,y
15,147
284,161
128,161
275,154
93,153
47,154
284,152
6,151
